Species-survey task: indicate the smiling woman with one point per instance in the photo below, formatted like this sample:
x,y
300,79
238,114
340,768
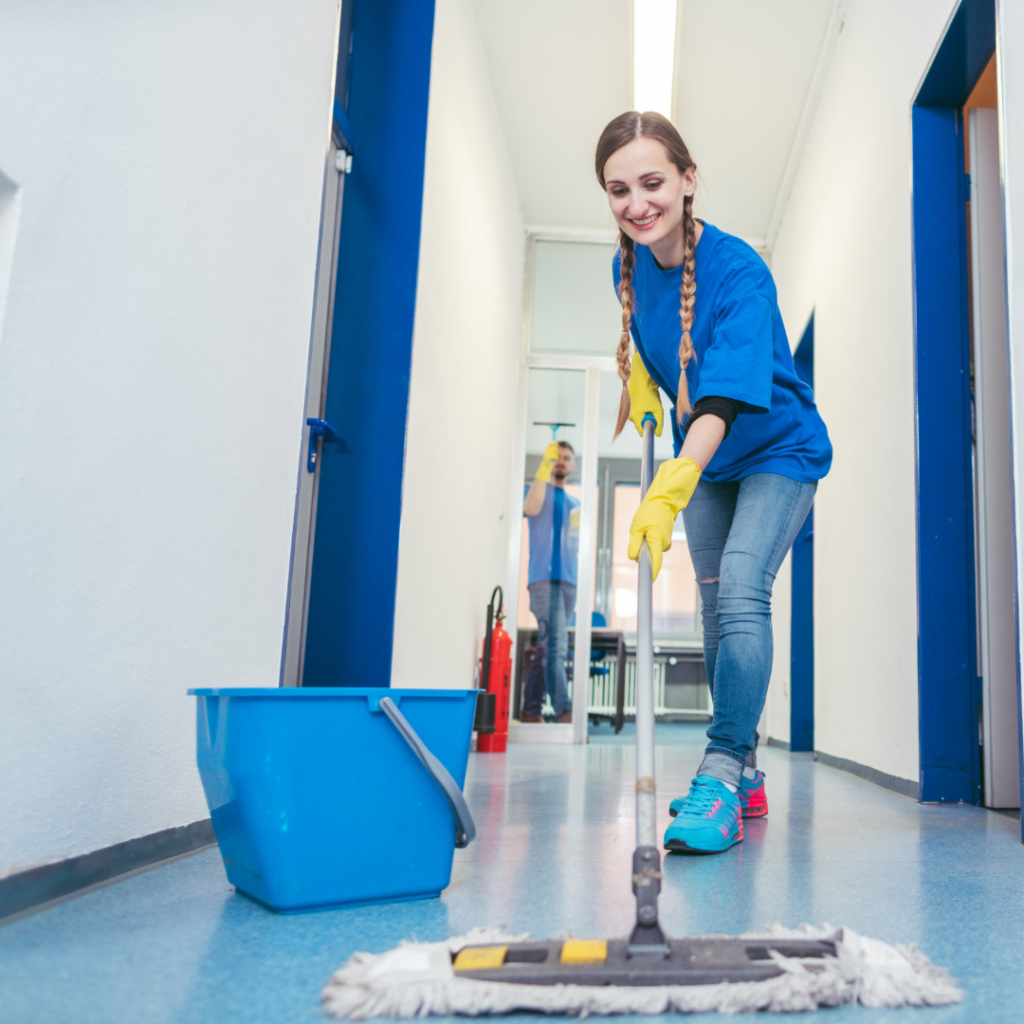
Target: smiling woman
x,y
749,450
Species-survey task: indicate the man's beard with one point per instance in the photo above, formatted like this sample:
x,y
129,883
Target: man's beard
x,y
555,475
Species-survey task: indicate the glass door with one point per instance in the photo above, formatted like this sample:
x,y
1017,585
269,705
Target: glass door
x,y
557,556
571,394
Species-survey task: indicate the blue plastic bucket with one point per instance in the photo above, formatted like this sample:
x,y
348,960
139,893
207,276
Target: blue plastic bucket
x,y
317,798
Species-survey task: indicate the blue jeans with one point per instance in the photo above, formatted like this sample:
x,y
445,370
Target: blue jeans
x,y
551,602
739,534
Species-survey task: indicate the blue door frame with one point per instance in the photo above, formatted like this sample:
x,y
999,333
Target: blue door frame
x,y
801,649
949,691
381,101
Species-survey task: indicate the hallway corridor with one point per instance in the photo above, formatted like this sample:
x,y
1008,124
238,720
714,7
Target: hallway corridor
x,y
555,840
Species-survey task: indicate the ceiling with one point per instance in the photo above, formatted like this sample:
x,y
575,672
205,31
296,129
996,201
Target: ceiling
x,y
562,69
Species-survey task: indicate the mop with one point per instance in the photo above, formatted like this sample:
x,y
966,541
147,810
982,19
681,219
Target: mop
x,y
779,970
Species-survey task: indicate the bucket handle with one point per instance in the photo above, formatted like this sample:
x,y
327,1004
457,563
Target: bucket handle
x,y
465,828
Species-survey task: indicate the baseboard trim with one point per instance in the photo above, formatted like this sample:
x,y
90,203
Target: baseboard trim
x,y
29,892
781,744
905,787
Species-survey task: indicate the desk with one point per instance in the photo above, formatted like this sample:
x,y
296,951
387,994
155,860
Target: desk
x,y
680,685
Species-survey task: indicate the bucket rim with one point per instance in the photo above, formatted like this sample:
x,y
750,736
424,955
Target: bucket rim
x,y
309,692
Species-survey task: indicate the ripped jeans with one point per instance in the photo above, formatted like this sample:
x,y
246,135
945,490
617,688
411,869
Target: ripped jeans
x,y
739,534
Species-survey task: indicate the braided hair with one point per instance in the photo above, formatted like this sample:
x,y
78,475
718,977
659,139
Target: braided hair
x,y
627,261
620,132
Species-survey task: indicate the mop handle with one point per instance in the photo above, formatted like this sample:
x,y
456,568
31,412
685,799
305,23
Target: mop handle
x,y
646,817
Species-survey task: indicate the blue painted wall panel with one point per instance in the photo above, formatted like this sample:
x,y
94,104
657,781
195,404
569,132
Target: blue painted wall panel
x,y
947,681
355,557
801,650
801,661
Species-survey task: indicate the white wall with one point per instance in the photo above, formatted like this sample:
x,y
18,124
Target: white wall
x,y
465,370
152,375
844,251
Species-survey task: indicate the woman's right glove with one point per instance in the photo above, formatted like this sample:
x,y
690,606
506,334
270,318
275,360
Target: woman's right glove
x,y
644,397
547,462
669,494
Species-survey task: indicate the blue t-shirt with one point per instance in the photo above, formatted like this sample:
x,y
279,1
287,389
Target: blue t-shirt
x,y
558,515
742,353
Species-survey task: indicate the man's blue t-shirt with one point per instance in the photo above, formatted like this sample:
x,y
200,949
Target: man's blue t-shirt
x,y
742,353
558,515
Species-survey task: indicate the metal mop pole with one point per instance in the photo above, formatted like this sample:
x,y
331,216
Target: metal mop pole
x,y
647,936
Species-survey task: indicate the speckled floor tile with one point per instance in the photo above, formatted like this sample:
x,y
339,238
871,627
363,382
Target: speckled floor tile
x,y
556,835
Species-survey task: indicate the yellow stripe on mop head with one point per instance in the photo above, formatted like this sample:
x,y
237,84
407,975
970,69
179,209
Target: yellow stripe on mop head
x,y
480,958
584,951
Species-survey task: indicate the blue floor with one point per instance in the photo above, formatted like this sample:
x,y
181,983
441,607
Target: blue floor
x,y
555,841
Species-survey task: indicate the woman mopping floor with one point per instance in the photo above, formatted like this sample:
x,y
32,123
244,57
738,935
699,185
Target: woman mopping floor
x,y
703,313
759,480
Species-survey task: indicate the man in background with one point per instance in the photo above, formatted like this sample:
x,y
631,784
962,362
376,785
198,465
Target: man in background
x,y
554,518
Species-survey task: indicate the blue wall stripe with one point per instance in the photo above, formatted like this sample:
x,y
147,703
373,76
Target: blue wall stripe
x,y
355,557
947,683
801,651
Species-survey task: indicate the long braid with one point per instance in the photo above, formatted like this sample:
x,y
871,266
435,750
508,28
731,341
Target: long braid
x,y
627,262
687,291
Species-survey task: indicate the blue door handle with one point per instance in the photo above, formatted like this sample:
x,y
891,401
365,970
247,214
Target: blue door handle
x,y
321,428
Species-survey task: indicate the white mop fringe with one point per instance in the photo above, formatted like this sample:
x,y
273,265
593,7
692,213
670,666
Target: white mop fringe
x,y
416,980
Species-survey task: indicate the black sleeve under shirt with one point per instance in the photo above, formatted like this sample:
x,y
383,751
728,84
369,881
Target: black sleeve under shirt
x,y
725,408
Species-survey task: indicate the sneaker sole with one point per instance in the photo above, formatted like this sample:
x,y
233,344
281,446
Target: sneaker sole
x,y
678,846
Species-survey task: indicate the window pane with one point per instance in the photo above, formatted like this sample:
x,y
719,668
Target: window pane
x,y
675,590
575,310
680,684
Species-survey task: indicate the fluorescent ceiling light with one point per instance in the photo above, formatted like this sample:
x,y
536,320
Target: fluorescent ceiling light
x,y
654,47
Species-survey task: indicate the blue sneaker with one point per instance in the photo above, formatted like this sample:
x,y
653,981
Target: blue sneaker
x,y
753,799
708,820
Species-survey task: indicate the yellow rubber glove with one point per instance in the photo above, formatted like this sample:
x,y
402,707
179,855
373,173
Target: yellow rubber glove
x,y
670,492
547,462
644,397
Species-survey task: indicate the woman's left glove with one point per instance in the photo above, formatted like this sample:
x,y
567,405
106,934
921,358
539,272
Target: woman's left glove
x,y
644,397
669,494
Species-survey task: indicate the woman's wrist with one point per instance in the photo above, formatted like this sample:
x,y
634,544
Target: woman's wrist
x,y
703,439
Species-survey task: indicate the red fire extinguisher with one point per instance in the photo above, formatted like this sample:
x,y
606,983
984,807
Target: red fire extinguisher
x,y
496,678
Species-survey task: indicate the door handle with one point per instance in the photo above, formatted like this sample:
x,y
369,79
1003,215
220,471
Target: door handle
x,y
321,428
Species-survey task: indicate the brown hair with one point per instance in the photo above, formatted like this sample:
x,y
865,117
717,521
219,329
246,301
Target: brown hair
x,y
618,133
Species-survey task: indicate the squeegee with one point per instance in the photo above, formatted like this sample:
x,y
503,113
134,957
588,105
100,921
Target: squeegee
x,y
554,427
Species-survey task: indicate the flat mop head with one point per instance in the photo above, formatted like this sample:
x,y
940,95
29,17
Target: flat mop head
x,y
779,970
694,961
